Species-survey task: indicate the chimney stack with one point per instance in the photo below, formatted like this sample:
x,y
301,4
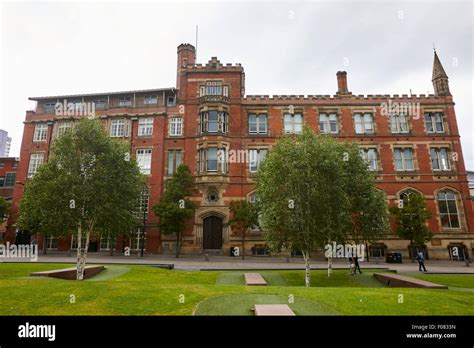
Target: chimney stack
x,y
342,82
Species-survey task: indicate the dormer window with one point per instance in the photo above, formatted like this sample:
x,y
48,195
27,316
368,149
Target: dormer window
x,y
150,100
170,101
125,101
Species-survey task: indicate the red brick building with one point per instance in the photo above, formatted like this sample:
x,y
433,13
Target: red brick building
x,y
8,167
411,142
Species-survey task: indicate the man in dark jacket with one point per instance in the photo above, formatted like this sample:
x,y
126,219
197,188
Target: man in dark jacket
x,y
421,261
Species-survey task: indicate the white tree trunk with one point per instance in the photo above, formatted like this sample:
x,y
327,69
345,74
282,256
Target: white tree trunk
x,y
82,254
308,269
329,267
79,275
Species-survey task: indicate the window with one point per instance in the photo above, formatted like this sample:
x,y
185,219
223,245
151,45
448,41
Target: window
x,y
36,159
376,251
258,124
176,126
448,209
104,243
399,123
125,101
145,126
212,159
100,103
2,165
328,123
74,242
440,159
403,159
137,239
143,204
370,157
405,195
64,127
364,123
49,107
51,243
174,160
256,158
9,180
117,128
14,164
41,131
2,181
253,198
150,99
293,123
214,88
144,160
213,196
434,122
170,101
213,121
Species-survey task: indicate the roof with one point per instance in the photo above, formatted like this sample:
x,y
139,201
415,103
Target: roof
x,y
105,93
438,70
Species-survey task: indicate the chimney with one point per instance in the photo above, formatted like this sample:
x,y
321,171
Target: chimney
x,y
186,56
342,82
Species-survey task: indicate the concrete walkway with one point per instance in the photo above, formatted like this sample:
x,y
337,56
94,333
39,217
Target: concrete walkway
x,y
198,262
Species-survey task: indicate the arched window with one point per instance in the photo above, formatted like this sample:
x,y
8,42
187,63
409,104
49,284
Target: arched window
x,y
405,195
448,209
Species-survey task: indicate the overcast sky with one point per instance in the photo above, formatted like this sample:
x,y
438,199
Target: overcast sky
x,y
54,48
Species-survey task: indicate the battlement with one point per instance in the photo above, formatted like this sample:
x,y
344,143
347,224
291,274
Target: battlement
x,y
368,97
214,64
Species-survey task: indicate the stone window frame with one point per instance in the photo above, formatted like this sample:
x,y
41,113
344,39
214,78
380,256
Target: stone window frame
x,y
459,206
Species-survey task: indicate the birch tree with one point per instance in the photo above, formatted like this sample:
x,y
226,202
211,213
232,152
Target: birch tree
x,y
90,184
307,196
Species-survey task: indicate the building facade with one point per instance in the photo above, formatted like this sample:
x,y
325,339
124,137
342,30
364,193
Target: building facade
x,y
8,168
5,143
411,142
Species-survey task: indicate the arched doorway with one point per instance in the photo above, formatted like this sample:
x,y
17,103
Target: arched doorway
x,y
212,233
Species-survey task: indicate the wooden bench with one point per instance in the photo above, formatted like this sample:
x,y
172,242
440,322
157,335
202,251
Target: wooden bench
x,y
398,281
254,279
273,310
69,273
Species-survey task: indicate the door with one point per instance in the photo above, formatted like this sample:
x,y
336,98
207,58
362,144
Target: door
x,y
212,233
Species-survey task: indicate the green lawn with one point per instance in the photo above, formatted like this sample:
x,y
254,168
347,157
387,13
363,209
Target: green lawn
x,y
144,290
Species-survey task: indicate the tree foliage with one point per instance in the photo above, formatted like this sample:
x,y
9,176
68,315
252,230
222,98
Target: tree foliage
x,y
314,190
89,185
244,216
175,208
411,217
4,208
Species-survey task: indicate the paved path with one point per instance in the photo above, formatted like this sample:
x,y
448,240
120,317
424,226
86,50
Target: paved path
x,y
193,262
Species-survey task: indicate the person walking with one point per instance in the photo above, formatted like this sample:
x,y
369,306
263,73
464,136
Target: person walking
x,y
356,264
421,261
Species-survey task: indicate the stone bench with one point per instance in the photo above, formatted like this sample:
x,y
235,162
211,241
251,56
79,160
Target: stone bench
x,y
273,310
69,273
398,281
254,279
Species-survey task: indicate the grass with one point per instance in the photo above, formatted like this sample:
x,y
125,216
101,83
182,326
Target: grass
x,y
144,290
451,280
